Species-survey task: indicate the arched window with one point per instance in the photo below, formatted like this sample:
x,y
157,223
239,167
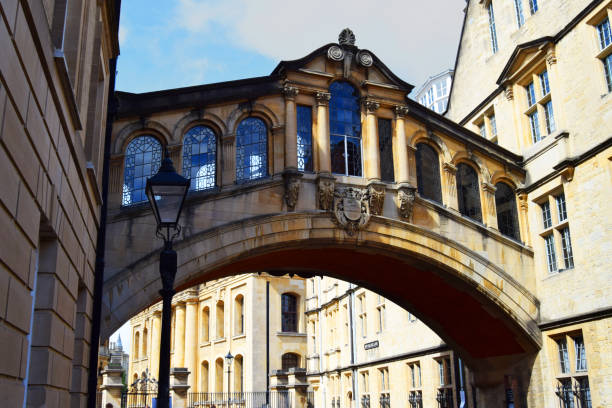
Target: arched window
x,y
290,360
204,377
289,312
145,335
468,192
507,218
200,157
345,129
251,150
428,172
220,323
205,324
219,375
136,345
142,160
239,315
238,374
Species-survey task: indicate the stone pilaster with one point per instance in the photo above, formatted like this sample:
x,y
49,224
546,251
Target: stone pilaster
x,y
228,159
179,387
449,186
175,151
490,211
155,342
321,141
523,204
290,93
112,386
399,145
179,336
191,339
371,150
115,184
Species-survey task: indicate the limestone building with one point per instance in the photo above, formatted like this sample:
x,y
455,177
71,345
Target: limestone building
x,y
258,318
536,78
57,63
435,91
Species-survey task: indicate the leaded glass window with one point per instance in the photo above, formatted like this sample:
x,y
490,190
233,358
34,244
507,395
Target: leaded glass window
x,y
289,312
385,145
345,129
604,33
251,150
534,126
608,71
544,83
533,6
584,395
304,138
531,97
493,123
492,28
507,218
468,192
561,208
551,256
290,360
142,160
566,394
563,356
546,219
566,244
550,117
428,173
581,362
200,157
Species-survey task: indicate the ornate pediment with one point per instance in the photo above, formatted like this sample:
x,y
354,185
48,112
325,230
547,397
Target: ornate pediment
x,y
523,58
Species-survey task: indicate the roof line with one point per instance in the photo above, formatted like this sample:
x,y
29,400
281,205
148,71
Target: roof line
x,y
450,93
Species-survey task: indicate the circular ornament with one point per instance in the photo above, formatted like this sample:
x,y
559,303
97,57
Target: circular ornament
x,y
335,53
365,59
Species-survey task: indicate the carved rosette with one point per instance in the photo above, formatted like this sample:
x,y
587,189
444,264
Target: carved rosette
x,y
365,59
325,192
351,209
322,98
292,188
376,198
405,201
290,92
335,53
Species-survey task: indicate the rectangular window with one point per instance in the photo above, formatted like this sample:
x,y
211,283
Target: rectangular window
x,y
492,28
534,126
561,209
566,242
566,395
381,318
493,125
604,33
585,393
518,6
533,6
430,96
385,146
415,375
546,215
482,130
581,363
608,70
551,256
531,97
544,83
550,117
365,382
304,138
563,356
384,379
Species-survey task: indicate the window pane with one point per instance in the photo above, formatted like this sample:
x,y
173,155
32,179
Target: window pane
x,y
566,242
428,173
492,31
566,395
608,70
531,99
304,138
551,256
550,117
518,6
534,125
385,145
507,218
581,364
544,83
561,209
142,160
199,157
251,150
345,129
563,356
482,130
493,125
289,313
468,192
546,215
533,6
604,33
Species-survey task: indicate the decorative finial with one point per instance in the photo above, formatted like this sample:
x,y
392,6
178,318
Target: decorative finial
x,y
346,37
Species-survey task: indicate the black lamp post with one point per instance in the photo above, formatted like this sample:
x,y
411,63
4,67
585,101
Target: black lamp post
x,y
166,192
228,360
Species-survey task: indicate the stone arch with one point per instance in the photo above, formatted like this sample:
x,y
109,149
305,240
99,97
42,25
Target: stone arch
x,y
509,178
470,158
382,257
356,83
435,141
135,129
256,110
195,118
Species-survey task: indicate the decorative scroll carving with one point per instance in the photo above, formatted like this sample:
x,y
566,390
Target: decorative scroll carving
x,y
292,188
405,198
509,92
551,56
376,193
400,111
335,53
346,37
290,92
325,192
365,59
370,105
322,98
351,209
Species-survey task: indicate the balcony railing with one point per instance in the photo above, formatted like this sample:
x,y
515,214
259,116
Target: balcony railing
x,y
445,398
365,401
385,400
415,399
268,399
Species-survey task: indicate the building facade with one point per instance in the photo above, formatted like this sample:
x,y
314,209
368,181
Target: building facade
x,y
56,64
434,92
224,316
535,77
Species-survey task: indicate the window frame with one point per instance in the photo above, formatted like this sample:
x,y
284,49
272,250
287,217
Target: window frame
x,y
154,164
187,167
286,324
492,29
343,136
266,153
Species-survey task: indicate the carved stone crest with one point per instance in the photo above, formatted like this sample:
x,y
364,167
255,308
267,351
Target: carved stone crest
x,y
351,209
346,37
292,188
376,197
405,198
325,192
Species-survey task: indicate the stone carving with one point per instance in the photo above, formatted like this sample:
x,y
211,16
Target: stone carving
x,y
335,53
405,197
370,105
290,92
351,209
325,192
322,98
346,37
376,193
509,92
365,59
400,111
292,188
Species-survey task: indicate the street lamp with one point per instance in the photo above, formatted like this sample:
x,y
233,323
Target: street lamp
x,y
166,192
228,360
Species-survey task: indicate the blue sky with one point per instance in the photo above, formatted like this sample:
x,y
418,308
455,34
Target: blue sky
x,y
176,43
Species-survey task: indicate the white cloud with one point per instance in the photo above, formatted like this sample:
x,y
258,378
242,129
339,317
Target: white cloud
x,y
414,38
123,33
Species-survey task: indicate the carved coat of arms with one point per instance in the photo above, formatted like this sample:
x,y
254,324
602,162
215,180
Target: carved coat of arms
x,y
351,209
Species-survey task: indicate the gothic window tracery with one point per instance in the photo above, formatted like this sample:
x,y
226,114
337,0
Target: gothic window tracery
x,y
199,157
251,150
142,160
428,172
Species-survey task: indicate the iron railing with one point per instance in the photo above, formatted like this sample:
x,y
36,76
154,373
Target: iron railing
x,y
445,398
385,400
365,401
263,399
415,399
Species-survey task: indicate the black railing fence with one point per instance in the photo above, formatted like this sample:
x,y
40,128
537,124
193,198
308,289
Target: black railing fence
x,y
263,399
138,399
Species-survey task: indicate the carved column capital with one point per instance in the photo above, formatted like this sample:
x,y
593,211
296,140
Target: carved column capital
x,y
449,168
290,92
400,111
488,187
508,92
370,105
523,201
551,56
322,98
228,138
